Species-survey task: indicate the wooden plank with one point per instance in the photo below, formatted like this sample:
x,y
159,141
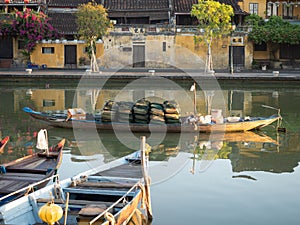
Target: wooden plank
x,y
21,176
116,192
105,185
128,170
11,186
30,171
79,202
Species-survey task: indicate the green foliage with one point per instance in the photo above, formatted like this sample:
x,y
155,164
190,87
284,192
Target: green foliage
x,y
276,31
214,21
213,17
92,21
254,20
29,26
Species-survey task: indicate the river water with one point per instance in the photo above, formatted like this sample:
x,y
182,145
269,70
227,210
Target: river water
x,y
251,178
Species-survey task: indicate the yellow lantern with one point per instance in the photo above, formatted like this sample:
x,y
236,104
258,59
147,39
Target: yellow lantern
x,y
50,213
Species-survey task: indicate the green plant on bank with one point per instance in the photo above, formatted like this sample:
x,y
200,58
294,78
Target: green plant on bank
x,y
93,24
214,21
274,32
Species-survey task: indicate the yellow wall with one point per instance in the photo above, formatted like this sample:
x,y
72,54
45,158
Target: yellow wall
x,y
245,5
181,52
56,60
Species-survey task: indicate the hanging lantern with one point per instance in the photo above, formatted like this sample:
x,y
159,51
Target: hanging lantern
x,y
50,213
7,1
26,1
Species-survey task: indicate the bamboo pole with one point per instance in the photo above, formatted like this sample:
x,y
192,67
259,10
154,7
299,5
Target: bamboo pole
x,y
66,209
146,177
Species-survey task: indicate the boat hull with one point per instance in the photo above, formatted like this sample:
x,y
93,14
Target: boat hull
x,y
97,188
32,169
240,126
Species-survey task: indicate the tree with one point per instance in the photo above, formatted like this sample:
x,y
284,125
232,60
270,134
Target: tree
x,y
30,27
275,31
93,24
214,22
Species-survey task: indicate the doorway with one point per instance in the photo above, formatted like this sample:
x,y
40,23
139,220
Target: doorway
x,y
71,56
238,56
138,54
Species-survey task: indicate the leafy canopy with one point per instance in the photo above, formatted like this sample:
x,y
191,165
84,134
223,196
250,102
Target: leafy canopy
x,y
213,17
275,30
92,21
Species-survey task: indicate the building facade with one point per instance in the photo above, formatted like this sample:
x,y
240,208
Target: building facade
x,y
150,34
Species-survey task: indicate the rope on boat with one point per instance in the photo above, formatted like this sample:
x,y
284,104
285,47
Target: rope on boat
x,y
30,189
117,202
144,198
110,218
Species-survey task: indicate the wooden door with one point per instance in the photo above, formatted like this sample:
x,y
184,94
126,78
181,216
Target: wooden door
x,y
70,56
6,48
238,56
139,55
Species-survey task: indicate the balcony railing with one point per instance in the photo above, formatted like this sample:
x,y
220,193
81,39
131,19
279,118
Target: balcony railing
x,y
20,2
166,29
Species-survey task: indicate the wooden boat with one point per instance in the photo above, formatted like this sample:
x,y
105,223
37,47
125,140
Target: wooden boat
x,y
3,142
62,120
22,173
108,194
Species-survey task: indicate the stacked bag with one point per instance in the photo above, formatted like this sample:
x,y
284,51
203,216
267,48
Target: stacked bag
x,y
142,111
157,113
172,112
109,112
124,114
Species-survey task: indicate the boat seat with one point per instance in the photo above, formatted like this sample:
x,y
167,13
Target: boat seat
x,y
49,155
23,170
92,210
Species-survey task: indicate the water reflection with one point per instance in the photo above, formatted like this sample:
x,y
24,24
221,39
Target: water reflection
x,y
265,157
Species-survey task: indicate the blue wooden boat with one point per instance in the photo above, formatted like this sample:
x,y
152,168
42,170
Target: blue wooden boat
x,y
108,194
29,173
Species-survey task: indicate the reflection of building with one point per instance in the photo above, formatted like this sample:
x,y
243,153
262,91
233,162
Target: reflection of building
x,y
48,99
233,102
258,157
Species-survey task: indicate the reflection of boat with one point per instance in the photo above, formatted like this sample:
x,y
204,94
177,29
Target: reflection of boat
x,y
108,194
63,121
247,136
22,172
3,142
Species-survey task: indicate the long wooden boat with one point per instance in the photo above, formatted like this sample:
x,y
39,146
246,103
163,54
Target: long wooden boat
x,y
3,142
62,121
23,172
108,194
